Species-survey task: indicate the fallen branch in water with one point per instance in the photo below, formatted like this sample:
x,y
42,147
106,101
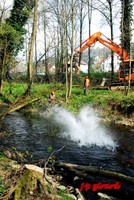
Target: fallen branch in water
x,y
82,171
17,106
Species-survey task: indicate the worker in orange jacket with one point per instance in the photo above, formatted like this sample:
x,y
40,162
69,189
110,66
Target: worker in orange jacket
x,y
51,98
86,85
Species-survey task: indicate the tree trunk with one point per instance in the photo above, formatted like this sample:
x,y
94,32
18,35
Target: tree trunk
x,y
36,55
45,45
2,67
111,28
89,19
30,59
81,22
122,32
65,53
72,52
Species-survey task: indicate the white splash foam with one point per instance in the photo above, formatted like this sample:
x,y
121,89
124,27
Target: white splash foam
x,y
84,128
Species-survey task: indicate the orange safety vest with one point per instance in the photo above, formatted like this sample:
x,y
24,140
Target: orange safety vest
x,y
87,83
52,97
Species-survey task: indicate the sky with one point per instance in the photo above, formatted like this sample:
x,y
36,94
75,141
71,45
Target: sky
x,y
8,2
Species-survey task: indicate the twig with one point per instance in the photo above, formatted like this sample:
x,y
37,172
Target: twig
x,y
45,166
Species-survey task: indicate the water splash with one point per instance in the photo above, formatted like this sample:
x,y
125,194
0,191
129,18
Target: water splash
x,y
85,128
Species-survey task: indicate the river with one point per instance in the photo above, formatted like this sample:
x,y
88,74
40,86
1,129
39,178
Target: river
x,y
86,140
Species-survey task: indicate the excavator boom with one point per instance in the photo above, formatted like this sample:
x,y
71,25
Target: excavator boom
x,y
125,72
106,42
88,42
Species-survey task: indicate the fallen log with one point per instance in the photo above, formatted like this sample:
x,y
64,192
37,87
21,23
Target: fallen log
x,y
17,106
84,170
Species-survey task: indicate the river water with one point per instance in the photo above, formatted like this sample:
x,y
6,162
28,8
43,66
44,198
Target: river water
x,y
86,140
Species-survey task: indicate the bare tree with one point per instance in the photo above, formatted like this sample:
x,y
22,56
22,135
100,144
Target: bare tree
x,y
110,2
45,10
31,48
126,34
106,10
89,21
82,13
72,51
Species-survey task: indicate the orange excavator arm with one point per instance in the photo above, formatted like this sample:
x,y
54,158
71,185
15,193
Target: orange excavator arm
x,y
106,42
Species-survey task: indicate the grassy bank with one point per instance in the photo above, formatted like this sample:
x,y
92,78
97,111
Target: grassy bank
x,y
109,103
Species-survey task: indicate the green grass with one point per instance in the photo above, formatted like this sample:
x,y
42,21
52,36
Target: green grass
x,y
64,196
100,98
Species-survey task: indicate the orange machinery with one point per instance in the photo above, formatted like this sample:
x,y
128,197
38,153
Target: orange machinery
x,y
125,65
